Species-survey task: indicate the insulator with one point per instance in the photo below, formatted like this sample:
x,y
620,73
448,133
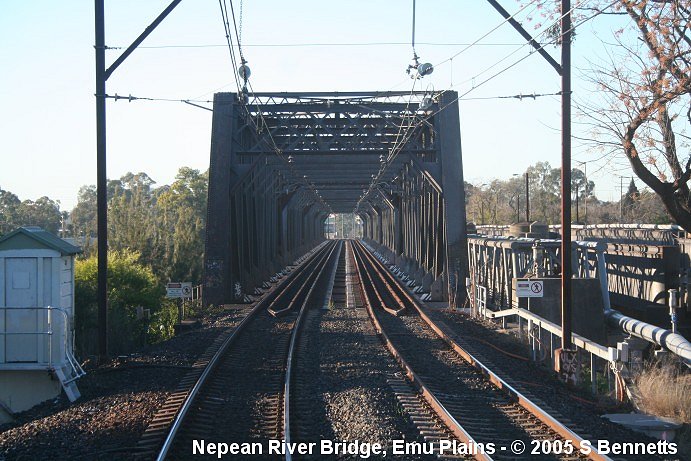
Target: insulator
x,y
425,69
244,72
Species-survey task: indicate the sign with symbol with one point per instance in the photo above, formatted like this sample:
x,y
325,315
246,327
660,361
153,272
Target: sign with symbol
x,y
179,290
530,288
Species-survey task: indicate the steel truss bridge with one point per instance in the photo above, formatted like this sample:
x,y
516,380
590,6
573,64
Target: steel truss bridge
x,y
282,162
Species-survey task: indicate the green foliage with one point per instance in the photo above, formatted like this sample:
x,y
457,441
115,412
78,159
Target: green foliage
x,y
14,213
162,321
130,284
503,201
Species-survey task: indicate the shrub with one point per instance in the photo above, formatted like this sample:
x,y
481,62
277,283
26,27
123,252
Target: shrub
x,y
130,284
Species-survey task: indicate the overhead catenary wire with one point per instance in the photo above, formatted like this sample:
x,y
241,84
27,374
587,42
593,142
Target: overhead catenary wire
x,y
317,44
191,102
243,90
397,147
476,42
226,26
475,87
237,34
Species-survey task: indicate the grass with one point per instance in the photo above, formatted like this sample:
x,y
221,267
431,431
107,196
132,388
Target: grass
x,y
665,390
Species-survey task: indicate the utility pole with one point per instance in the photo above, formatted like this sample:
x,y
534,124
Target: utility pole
x,y
577,219
102,75
567,360
101,182
621,199
585,173
527,198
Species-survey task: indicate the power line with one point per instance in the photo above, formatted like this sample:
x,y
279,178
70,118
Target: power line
x,y
518,61
476,42
325,44
226,27
519,96
243,91
423,120
130,98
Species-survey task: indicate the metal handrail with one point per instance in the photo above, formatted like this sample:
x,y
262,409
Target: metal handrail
x,y
69,355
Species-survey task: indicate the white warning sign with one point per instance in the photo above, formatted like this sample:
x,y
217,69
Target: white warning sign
x,y
530,288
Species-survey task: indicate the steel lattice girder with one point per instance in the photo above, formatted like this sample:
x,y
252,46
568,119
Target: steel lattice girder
x,y
279,160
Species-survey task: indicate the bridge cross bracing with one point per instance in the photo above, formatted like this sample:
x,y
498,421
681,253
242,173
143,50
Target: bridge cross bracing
x,y
282,162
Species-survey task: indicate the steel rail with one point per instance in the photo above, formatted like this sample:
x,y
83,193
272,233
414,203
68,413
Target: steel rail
x,y
454,426
291,349
383,304
194,392
522,400
295,299
384,273
285,290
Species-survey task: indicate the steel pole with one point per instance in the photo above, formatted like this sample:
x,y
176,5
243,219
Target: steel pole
x,y
621,199
566,175
585,169
577,217
101,181
527,198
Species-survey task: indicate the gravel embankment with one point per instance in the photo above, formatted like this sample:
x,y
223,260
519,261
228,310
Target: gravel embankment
x,y
118,400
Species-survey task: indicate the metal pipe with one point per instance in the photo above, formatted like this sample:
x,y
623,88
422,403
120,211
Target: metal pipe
x,y
673,342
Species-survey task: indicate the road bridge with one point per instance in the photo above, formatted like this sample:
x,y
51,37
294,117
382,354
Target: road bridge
x,y
282,162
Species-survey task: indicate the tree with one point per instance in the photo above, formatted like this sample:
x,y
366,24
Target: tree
x,y
630,200
9,216
44,213
130,284
647,100
181,215
83,215
132,217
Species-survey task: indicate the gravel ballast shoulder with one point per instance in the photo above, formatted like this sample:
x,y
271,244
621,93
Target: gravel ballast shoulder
x,y
118,400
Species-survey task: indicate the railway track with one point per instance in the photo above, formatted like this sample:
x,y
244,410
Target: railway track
x,y
463,399
450,397
244,392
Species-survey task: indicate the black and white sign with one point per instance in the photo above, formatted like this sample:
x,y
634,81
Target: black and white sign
x,y
179,290
530,288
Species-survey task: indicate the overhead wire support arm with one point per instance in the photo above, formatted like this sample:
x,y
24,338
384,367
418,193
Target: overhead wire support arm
x,y
526,35
125,54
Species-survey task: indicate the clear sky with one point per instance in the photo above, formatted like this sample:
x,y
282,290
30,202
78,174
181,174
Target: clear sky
x,y
47,109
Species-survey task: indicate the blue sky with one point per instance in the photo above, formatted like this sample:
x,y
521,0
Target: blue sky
x,y
47,119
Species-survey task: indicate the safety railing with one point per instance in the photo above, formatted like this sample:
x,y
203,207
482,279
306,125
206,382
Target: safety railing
x,y
64,355
496,261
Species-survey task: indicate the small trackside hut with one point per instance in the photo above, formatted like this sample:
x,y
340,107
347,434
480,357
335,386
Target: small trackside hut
x,y
36,320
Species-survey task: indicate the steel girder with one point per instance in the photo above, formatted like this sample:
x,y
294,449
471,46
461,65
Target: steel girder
x,y
424,232
281,162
